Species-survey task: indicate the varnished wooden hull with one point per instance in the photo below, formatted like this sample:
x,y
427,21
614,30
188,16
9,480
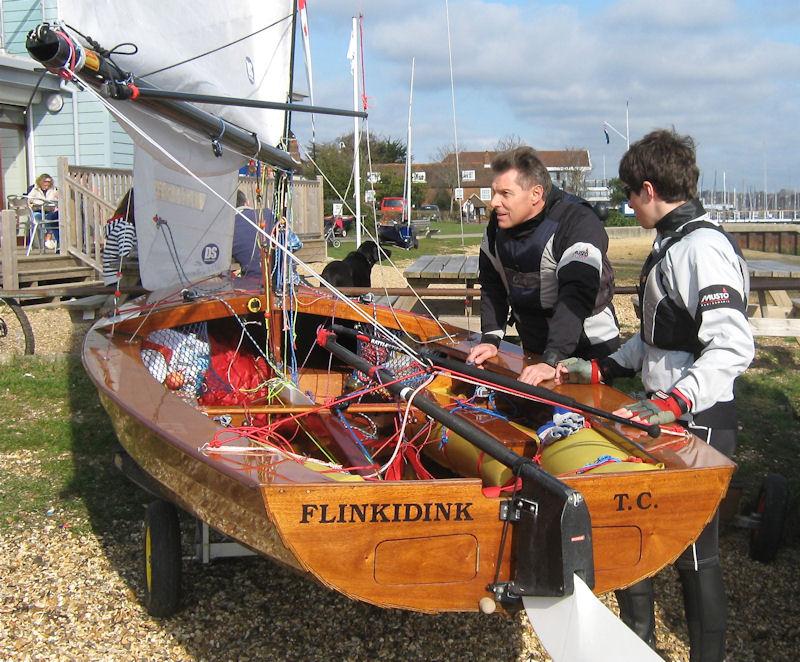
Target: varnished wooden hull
x,y
413,544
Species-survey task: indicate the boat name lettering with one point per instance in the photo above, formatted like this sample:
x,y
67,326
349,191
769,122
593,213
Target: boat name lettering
x,y
642,501
352,513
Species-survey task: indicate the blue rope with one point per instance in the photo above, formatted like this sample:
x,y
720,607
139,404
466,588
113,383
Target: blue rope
x,y
353,434
464,404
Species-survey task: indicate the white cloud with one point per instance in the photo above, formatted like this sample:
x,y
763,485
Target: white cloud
x,y
722,70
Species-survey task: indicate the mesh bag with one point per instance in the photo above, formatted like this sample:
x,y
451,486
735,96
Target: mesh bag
x,y
178,358
397,363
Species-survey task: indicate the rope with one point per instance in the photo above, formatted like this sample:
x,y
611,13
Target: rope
x,y
288,255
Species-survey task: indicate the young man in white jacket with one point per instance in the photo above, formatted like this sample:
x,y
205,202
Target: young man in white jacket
x,y
694,341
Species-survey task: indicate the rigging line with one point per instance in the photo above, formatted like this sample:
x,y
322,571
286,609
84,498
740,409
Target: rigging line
x,y
374,237
298,262
219,48
380,258
401,433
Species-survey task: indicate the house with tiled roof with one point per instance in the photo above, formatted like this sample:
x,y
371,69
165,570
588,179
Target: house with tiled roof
x,y
567,168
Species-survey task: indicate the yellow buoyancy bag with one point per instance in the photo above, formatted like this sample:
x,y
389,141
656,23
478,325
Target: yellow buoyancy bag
x,y
462,457
589,452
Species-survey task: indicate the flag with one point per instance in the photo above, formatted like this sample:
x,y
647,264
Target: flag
x,y
351,51
608,138
301,6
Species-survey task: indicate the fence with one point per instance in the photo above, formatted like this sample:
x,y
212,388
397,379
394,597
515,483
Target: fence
x,y
89,196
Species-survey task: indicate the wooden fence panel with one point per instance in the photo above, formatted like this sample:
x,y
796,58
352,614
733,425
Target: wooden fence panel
x,y
89,196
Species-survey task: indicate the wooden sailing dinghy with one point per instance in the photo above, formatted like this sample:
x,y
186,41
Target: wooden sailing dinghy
x,y
428,540
347,452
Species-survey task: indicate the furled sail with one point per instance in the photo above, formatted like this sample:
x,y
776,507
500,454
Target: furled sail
x,y
239,49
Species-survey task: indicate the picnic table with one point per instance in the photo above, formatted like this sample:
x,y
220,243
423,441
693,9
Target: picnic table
x,y
433,270
442,269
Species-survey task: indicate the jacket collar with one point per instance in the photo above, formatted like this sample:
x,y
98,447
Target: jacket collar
x,y
672,222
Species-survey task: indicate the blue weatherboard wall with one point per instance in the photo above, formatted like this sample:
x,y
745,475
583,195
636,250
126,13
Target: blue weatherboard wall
x,y
102,143
19,17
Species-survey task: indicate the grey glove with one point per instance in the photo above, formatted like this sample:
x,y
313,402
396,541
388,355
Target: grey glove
x,y
581,371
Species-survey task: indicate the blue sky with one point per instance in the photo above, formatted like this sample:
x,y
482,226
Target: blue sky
x,y
726,72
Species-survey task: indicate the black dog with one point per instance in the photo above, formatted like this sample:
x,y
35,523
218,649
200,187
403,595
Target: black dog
x,y
356,269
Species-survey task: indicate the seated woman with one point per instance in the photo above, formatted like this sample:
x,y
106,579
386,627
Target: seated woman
x,y
43,201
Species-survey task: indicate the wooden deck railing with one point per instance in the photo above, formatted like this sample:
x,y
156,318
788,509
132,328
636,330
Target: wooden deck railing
x,y
87,198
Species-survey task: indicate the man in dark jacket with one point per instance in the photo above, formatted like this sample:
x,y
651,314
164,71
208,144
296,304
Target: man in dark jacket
x,y
543,259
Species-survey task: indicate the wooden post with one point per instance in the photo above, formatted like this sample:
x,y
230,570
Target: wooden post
x,y
8,249
65,209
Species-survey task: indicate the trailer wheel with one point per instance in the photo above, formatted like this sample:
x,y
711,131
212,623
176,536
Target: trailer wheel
x,y
162,559
771,507
16,334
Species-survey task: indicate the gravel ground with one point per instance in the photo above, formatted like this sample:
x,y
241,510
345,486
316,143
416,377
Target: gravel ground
x,y
71,596
66,596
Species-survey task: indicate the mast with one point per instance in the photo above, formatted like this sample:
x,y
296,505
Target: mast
x,y
408,147
627,125
288,120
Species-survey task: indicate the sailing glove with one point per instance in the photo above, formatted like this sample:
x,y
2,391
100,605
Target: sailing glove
x,y
662,408
581,371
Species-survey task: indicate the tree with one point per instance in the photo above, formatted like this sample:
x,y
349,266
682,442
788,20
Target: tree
x,y
509,141
335,160
575,176
618,196
446,177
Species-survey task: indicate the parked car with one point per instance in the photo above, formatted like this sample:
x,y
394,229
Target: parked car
x,y
430,212
392,208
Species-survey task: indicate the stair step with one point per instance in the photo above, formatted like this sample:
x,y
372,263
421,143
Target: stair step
x,y
33,274
48,299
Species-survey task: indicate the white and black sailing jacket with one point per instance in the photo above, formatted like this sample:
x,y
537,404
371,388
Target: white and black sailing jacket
x,y
694,334
553,274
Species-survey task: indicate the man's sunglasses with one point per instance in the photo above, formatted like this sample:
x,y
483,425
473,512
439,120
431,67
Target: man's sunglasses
x,y
627,190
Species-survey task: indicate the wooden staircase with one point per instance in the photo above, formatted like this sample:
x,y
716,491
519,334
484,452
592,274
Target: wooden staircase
x,y
39,275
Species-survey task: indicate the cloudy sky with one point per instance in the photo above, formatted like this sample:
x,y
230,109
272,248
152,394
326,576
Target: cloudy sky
x,y
725,71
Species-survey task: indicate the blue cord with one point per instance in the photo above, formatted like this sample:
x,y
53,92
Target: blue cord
x,y
352,432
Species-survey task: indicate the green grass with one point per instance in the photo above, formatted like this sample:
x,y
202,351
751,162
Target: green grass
x,y
56,448
427,246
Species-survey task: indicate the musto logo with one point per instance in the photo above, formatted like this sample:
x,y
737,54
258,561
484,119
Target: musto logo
x,y
210,253
715,298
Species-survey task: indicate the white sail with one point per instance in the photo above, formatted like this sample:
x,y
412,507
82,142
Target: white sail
x,y
255,67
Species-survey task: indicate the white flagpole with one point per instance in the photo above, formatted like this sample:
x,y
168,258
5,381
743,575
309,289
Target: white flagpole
x,y
455,129
356,130
627,126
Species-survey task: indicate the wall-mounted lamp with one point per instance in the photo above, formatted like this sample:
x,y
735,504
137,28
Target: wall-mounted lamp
x,y
54,103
